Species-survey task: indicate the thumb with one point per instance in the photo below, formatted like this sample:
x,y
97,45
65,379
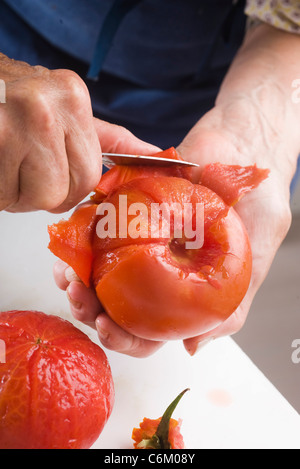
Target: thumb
x,y
117,139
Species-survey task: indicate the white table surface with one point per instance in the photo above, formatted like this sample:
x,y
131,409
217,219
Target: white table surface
x,y
230,405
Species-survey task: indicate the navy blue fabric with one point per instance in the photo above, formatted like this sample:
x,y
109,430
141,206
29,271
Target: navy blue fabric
x,y
107,34
70,25
162,71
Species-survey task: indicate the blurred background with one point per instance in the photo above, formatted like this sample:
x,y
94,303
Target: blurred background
x,y
274,321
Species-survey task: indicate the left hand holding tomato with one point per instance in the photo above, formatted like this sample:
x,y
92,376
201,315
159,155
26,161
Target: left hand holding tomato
x,y
262,218
265,211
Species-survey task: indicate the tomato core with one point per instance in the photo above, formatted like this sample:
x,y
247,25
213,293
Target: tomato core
x,y
185,258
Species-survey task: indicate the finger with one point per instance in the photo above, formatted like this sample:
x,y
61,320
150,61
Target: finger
x,y
85,168
195,344
9,164
116,139
59,273
43,179
86,308
42,170
115,338
84,303
80,138
229,327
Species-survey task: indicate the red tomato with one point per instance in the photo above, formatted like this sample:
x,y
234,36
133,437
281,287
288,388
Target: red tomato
x,y
155,285
56,387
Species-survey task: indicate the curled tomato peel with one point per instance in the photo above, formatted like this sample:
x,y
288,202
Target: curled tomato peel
x,y
71,241
231,183
121,175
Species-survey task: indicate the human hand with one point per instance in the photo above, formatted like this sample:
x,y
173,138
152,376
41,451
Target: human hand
x,y
50,152
224,135
86,308
50,143
255,121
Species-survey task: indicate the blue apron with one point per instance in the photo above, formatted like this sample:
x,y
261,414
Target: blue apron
x,y
153,66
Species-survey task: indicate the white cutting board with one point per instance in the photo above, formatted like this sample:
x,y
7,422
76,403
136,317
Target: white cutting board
x,y
230,405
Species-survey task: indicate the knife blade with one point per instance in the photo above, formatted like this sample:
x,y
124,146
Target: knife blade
x,y
111,159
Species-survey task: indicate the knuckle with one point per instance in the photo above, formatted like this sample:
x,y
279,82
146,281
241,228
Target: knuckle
x,y
42,115
34,195
286,221
283,216
41,71
7,202
238,320
47,204
75,89
278,217
33,100
9,191
123,133
106,340
55,198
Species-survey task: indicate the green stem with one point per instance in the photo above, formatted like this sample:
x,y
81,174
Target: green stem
x,y
161,438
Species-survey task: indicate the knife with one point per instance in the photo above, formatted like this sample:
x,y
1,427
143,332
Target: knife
x,y
112,159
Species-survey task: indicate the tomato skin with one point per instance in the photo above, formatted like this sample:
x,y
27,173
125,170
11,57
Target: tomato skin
x,y
232,182
56,388
71,241
121,175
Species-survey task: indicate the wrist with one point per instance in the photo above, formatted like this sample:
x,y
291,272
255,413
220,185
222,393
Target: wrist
x,y
264,84
265,128
236,132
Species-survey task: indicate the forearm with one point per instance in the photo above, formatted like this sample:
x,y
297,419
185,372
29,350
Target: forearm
x,y
256,98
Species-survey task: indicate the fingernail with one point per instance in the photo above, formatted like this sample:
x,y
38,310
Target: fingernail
x,y
76,304
70,275
194,350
